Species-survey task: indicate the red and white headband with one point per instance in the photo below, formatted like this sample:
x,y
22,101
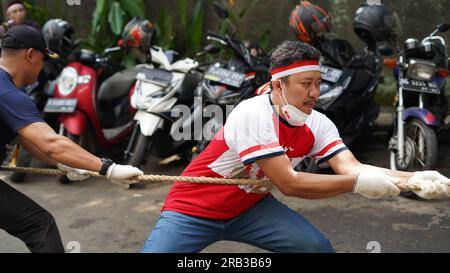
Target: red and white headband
x,y
298,67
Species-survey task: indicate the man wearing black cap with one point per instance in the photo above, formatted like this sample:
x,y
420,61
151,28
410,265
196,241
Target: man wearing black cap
x,y
24,50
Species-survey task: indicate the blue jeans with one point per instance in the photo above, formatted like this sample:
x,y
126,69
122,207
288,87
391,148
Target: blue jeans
x,y
269,225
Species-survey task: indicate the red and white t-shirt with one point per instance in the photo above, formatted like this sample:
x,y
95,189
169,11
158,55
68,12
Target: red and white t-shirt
x,y
253,131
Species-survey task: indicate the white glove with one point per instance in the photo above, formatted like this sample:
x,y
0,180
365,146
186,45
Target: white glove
x,y
433,185
123,175
375,185
74,174
430,175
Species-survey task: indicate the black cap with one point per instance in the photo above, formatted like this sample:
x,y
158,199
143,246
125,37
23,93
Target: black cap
x,y
24,37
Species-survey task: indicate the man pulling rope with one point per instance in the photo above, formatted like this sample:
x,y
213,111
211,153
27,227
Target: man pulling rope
x,y
23,53
265,137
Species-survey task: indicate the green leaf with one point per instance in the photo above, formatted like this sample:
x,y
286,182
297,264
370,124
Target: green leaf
x,y
244,10
195,30
116,18
128,61
264,40
96,17
134,7
35,12
182,6
165,30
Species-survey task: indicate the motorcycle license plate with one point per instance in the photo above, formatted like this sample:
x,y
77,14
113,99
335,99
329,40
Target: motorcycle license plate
x,y
420,86
330,74
225,76
66,106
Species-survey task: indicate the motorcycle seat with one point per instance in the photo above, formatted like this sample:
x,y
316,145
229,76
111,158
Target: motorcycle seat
x,y
118,85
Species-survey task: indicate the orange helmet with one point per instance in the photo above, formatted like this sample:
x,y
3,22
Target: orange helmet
x,y
309,21
138,33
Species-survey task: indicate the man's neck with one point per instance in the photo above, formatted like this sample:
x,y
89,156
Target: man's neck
x,y
13,72
276,104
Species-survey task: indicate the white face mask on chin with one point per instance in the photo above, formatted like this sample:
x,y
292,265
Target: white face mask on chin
x,y
292,114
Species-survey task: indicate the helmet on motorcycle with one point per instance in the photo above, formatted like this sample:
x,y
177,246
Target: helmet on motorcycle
x,y
58,34
309,21
138,36
376,23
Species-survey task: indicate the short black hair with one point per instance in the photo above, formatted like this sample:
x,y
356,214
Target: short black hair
x,y
289,52
9,51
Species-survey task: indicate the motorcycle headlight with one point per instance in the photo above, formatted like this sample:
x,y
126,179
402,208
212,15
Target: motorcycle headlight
x,y
421,70
146,94
327,98
67,81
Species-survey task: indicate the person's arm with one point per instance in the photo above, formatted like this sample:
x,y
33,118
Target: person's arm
x,y
304,185
58,148
346,163
35,152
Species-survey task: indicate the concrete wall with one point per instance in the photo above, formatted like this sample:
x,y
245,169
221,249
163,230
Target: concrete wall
x,y
418,17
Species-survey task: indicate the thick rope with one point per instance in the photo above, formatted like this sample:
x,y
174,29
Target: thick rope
x,y
150,178
166,178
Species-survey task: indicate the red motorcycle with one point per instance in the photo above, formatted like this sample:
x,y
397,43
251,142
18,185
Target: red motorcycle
x,y
93,99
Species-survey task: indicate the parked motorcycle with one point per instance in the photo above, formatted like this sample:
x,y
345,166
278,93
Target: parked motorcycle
x,y
89,94
349,79
226,83
158,91
421,69
92,99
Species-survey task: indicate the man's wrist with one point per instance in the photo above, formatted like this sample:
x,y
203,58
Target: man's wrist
x,y
354,183
106,164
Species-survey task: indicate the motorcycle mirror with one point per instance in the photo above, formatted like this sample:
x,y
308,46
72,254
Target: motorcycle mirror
x,y
386,50
220,10
444,27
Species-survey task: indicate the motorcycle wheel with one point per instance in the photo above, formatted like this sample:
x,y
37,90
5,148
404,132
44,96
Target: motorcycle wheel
x,y
23,160
62,178
421,148
139,150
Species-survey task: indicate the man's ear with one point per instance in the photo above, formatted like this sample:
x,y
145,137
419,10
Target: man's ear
x,y
276,86
29,54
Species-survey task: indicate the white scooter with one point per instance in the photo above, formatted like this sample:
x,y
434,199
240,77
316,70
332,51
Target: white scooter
x,y
157,92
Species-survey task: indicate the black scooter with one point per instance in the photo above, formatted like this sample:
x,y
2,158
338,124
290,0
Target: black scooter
x,y
226,83
348,88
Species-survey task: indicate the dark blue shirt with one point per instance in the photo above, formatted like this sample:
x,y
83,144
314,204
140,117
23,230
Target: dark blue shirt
x,y
17,110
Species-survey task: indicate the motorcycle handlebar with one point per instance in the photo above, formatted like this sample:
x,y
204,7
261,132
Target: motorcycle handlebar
x,y
112,49
216,37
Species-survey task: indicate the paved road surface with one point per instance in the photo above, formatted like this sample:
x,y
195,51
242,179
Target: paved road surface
x,y
104,218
